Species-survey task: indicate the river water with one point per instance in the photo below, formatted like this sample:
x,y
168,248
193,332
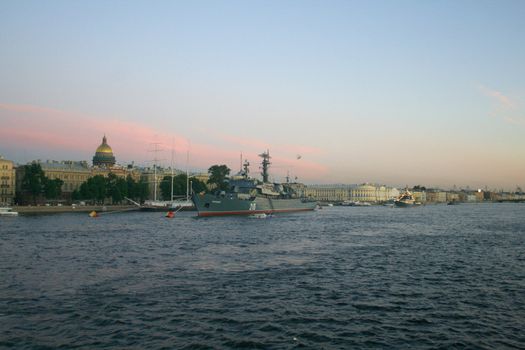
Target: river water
x,y
430,277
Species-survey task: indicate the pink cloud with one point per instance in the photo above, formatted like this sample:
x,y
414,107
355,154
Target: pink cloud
x,y
506,109
498,95
56,131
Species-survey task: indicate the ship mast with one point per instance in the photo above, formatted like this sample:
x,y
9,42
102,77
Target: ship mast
x,y
155,160
246,171
265,164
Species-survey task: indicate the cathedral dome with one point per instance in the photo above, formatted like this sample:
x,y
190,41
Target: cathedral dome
x,y
104,155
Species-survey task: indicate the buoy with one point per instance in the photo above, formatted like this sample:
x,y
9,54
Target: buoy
x,y
170,215
93,214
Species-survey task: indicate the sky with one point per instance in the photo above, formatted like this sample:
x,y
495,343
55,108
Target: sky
x,y
391,92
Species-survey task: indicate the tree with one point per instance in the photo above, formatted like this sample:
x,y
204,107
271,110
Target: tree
x,y
94,188
179,186
218,176
142,190
33,181
165,187
197,185
137,191
75,195
52,188
116,188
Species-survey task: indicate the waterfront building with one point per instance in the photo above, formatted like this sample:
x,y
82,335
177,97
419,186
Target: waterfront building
x,y
75,173
339,193
328,193
420,196
454,197
72,173
7,182
436,196
204,177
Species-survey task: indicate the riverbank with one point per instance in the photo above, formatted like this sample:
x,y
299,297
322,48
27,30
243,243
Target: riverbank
x,y
72,209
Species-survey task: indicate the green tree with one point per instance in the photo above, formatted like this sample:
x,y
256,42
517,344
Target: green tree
x,y
137,191
142,190
218,176
33,180
197,185
116,188
75,195
165,187
179,185
52,188
94,188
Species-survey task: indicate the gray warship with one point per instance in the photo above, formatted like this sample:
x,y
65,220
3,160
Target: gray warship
x,y
250,196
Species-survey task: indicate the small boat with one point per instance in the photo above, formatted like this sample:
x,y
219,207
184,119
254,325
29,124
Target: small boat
x,y
361,204
453,202
348,203
8,212
258,216
406,199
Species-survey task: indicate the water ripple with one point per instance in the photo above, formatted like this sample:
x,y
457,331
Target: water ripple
x,y
434,277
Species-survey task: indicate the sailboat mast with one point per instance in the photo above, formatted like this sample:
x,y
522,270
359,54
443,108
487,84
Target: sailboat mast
x,y
187,175
155,182
155,160
171,198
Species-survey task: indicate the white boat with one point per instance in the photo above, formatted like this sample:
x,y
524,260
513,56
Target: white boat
x,y
348,203
7,212
258,216
406,199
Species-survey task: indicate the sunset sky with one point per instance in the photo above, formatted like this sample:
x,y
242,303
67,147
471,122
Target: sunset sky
x,y
393,92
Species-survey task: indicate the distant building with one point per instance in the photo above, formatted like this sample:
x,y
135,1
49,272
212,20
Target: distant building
x,y
363,193
328,193
75,173
420,196
72,173
204,177
436,196
7,181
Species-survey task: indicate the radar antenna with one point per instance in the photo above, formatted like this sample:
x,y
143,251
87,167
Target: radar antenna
x,y
246,168
265,164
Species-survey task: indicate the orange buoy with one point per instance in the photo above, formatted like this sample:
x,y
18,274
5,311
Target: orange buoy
x,y
93,214
170,215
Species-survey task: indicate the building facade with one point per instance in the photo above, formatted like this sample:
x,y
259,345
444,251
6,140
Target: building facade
x,y
7,182
370,193
72,173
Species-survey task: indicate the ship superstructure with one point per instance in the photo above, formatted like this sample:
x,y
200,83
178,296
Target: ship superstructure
x,y
248,196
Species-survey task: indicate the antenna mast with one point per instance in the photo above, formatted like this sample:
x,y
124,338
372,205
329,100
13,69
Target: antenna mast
x,y
265,164
187,174
155,160
172,155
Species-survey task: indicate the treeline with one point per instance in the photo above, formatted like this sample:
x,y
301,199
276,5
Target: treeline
x,y
179,186
99,188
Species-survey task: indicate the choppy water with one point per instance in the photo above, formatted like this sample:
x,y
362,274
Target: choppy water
x,y
340,278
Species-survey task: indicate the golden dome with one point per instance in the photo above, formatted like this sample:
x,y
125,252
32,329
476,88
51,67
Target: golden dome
x,y
104,147
104,155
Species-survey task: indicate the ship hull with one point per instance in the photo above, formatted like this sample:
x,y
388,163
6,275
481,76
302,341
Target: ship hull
x,y
402,204
211,205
